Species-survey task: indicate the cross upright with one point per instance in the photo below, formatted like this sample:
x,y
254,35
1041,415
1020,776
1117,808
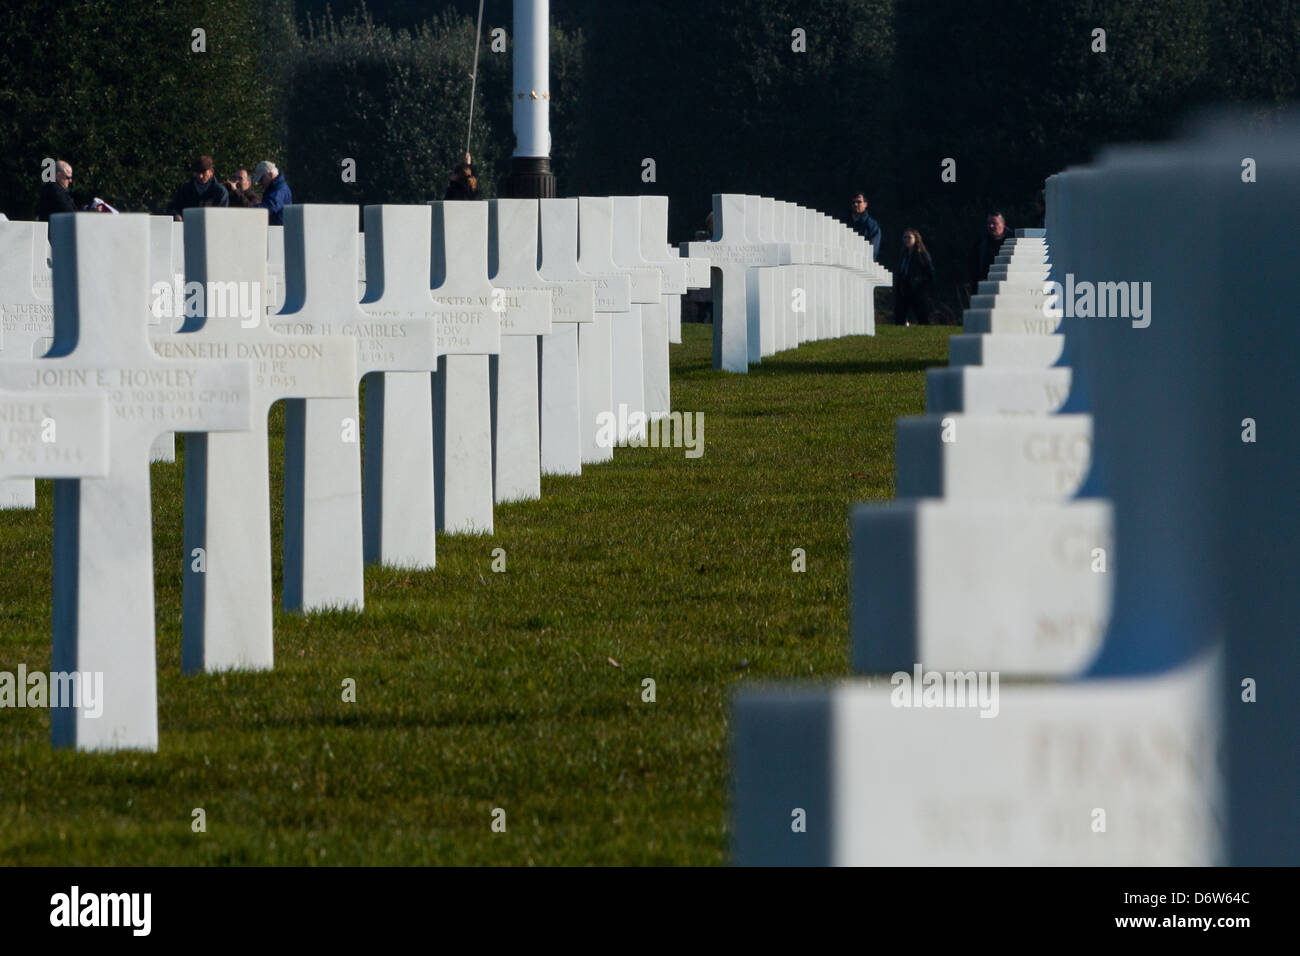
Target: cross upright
x,y
27,316
629,332
326,538
103,545
595,297
227,605
465,298
730,257
525,298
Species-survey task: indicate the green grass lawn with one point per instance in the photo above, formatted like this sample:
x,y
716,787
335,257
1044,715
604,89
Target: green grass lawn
x,y
478,690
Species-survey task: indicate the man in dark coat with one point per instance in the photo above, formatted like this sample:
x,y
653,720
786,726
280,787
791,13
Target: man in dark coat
x,y
55,196
202,190
463,183
986,249
862,223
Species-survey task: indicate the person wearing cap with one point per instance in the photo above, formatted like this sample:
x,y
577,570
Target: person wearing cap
x,y
202,190
275,191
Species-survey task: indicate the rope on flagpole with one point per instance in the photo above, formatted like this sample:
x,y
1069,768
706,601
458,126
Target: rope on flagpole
x,y
473,83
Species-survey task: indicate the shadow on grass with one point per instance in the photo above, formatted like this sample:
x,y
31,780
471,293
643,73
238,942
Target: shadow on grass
x,y
865,367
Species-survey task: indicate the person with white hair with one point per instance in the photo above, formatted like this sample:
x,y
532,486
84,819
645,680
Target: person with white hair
x,y
275,191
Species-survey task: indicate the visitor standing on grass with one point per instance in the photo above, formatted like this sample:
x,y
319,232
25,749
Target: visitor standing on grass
x,y
913,281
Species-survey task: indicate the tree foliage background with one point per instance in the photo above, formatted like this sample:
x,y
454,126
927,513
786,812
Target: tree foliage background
x,y
711,90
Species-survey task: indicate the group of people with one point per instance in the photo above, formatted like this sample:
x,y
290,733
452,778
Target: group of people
x,y
201,191
915,284
205,190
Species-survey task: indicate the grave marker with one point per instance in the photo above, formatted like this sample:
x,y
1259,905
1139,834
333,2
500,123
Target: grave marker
x,y
226,602
525,316
579,301
103,545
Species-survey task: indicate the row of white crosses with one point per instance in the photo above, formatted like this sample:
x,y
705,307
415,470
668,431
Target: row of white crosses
x,y
998,560
488,369
783,275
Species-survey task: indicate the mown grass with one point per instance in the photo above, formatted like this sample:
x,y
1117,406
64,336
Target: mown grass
x,y
478,690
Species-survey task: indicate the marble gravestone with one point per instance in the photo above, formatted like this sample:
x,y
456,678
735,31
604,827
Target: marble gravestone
x,y
697,277
579,299
26,322
657,334
731,255
42,261
227,605
523,303
48,435
274,297
165,311
103,545
327,530
470,331
400,481
628,340
760,297
1168,404
596,343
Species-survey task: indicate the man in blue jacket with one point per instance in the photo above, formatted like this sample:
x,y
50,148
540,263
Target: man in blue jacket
x,y
862,223
275,191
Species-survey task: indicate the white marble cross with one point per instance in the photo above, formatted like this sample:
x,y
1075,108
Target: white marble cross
x,y
629,331
164,311
27,321
227,604
274,298
596,343
525,313
730,257
103,544
585,304
655,337
462,387
48,435
325,536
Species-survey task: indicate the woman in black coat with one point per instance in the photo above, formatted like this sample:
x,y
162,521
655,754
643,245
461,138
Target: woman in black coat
x,y
913,281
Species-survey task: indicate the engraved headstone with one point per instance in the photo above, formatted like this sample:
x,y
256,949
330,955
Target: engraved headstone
x,y
657,324
28,321
524,306
325,536
629,330
580,301
730,256
226,601
462,387
596,343
166,308
103,545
